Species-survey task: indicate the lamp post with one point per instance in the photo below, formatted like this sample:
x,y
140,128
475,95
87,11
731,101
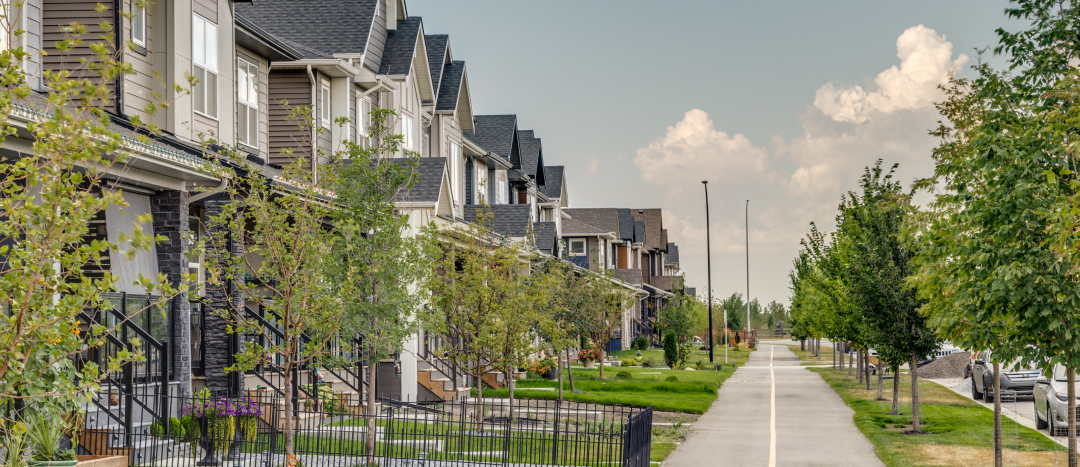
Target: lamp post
x,y
708,260
747,270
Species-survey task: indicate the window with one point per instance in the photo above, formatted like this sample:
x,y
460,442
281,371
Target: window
x,y
577,247
324,105
247,96
455,170
204,54
502,194
138,24
363,117
407,132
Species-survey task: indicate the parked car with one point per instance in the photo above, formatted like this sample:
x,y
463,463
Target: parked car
x,y
1015,378
1052,402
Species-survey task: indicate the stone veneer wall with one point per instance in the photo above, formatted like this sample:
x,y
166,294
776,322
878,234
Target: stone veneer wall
x,y
170,213
216,339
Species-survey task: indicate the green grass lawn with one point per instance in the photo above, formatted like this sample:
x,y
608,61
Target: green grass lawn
x,y
808,357
961,432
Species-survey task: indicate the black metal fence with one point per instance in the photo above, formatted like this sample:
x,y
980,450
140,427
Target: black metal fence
x,y
331,430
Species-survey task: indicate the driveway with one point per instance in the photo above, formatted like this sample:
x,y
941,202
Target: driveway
x,y
772,412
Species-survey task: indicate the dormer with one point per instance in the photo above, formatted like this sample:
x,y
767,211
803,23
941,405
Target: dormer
x,y
395,13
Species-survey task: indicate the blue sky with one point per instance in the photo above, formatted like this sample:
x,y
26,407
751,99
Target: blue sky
x,y
642,100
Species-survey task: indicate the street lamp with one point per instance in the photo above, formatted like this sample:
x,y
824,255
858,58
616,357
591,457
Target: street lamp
x,y
748,270
708,256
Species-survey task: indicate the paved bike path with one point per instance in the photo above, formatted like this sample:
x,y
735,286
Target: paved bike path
x,y
774,413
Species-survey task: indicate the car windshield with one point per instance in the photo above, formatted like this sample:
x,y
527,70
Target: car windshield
x,y
1060,375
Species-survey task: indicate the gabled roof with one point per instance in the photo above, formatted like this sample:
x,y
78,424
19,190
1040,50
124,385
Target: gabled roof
x,y
400,48
545,237
626,225
512,220
654,224
553,181
574,228
663,240
639,232
334,26
672,254
438,53
668,283
305,51
453,79
252,37
532,156
605,219
629,276
429,172
496,134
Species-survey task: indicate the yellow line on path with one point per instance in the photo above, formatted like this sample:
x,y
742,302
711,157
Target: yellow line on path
x,y
772,415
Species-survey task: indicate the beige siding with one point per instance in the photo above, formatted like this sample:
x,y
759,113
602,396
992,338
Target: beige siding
x,y
60,13
376,40
207,126
293,87
139,87
31,40
264,117
207,9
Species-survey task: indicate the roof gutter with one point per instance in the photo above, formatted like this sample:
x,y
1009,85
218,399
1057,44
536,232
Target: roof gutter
x,y
334,67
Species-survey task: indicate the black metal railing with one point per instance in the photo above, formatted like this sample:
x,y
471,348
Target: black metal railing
x,y
218,430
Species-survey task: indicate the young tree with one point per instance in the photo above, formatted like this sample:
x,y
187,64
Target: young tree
x,y
267,244
376,269
677,319
602,308
558,324
523,298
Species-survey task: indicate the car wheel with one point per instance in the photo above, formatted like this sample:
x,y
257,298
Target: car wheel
x,y
987,396
975,394
1039,422
1049,416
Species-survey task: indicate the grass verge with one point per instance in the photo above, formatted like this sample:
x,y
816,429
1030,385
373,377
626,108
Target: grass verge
x,y
961,432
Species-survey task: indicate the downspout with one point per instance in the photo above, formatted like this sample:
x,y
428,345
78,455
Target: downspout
x,y
314,129
118,7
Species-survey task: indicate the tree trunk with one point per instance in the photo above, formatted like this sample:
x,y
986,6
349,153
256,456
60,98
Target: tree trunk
x,y
866,367
841,356
880,379
510,386
895,390
290,454
601,362
915,426
479,397
817,347
851,360
569,371
997,414
802,344
858,366
369,409
834,355
1071,385
560,374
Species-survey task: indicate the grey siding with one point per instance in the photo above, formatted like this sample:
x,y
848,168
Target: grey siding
x,y
294,87
139,87
204,128
376,40
61,13
31,40
207,9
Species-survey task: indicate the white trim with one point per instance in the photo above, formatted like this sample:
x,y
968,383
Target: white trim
x,y
138,14
584,246
324,105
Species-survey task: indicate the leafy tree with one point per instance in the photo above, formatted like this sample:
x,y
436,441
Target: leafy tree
x,y
567,291
677,318
671,351
522,299
376,266
48,196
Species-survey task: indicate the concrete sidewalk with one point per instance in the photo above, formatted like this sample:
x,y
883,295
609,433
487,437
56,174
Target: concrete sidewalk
x,y
766,417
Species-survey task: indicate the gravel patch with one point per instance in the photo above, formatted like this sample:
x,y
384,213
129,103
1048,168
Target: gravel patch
x,y
964,387
949,366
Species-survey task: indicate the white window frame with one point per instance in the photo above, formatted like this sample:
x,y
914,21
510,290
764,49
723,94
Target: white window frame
x,y
204,65
138,23
407,132
363,117
584,246
324,105
247,99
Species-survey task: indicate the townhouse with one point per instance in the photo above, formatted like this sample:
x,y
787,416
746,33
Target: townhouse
x,y
256,62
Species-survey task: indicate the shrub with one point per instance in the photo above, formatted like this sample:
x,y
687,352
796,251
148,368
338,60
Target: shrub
x,y
628,362
640,343
672,379
648,363
700,365
624,375
671,350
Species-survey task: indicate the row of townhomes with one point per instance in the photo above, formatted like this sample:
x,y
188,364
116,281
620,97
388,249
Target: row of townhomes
x,y
341,58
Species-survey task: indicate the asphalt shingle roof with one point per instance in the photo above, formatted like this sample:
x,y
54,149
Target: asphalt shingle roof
x,y
532,156
663,240
672,254
639,232
572,227
626,225
306,51
397,57
629,276
428,186
333,26
494,133
553,181
451,86
653,219
545,236
605,219
436,55
507,219
668,283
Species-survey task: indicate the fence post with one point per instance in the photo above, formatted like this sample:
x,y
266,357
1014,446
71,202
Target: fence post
x,y
164,396
273,428
129,406
506,438
555,433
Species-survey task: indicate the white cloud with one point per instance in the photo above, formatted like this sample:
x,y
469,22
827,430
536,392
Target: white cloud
x,y
594,167
693,150
925,62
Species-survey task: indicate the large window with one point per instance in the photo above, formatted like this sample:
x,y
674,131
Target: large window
x,y
247,91
407,132
138,24
204,54
324,105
